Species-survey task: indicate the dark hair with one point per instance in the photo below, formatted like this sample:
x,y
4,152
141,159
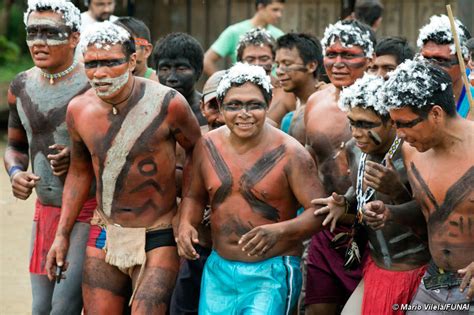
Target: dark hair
x,y
128,47
135,27
395,46
444,99
308,46
255,37
180,45
266,2
368,12
347,7
347,37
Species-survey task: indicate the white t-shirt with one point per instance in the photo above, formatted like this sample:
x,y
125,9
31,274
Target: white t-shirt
x,y
87,19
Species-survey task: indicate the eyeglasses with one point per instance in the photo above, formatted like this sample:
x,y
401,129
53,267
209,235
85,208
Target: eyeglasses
x,y
289,68
363,124
235,106
408,124
442,62
109,63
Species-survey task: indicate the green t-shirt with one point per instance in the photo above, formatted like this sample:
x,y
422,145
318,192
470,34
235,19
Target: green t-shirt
x,y
226,44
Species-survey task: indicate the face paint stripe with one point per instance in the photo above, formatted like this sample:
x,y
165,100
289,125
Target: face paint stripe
x,y
222,171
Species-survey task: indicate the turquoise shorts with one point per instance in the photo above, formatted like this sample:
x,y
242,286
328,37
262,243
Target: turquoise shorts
x,y
231,287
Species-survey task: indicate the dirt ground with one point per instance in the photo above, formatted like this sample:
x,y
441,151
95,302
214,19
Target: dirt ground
x,y
15,231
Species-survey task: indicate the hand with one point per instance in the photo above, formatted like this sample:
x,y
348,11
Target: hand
x,y
57,256
467,280
376,214
187,236
23,184
260,239
383,179
334,207
60,161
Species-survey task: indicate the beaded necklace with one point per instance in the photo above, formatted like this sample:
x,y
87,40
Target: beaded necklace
x,y
61,74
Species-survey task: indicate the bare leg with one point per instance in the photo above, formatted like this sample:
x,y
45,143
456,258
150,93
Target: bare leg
x,y
321,309
354,304
104,288
154,291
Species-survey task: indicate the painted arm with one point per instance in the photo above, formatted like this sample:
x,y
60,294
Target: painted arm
x,y
376,214
16,156
191,209
76,191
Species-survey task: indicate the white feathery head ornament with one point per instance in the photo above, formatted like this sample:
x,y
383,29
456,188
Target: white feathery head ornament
x,y
103,35
349,34
366,92
71,15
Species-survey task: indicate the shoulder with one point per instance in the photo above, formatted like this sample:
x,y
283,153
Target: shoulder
x,y
81,101
321,95
275,31
408,152
18,83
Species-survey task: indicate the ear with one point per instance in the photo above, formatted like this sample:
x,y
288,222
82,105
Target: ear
x,y
74,39
132,62
148,50
312,66
437,113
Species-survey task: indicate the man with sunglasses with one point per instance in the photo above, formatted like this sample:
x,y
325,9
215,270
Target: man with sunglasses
x,y
348,48
254,177
436,44
299,60
130,150
38,100
438,154
398,253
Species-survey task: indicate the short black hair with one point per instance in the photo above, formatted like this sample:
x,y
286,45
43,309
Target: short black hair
x,y
368,12
180,45
255,37
135,27
266,2
308,46
395,46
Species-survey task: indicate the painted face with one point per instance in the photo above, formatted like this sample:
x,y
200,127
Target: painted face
x,y
417,131
108,70
210,111
440,55
259,56
273,12
344,65
244,110
101,10
177,74
50,41
382,65
368,130
291,71
143,51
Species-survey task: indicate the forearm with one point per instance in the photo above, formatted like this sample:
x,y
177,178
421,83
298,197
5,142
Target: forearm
x,y
190,212
302,227
14,157
76,192
408,214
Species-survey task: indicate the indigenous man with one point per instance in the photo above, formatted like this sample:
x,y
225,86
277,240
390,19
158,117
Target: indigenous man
x,y
398,253
348,48
389,53
439,157
299,60
131,153
268,12
185,299
178,62
436,44
369,12
254,177
38,101
143,46
257,47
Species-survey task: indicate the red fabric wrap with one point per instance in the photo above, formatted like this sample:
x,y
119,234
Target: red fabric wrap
x,y
47,218
383,288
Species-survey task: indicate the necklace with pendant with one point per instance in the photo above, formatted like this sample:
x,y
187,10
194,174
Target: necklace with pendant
x,y
54,76
114,109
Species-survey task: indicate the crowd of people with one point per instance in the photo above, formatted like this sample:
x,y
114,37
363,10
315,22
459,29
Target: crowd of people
x,y
314,176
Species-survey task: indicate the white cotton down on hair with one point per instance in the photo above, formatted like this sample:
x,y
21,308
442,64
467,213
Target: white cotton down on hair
x,y
366,92
71,14
103,34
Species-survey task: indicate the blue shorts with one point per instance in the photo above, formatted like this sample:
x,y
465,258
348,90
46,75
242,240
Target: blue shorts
x,y
230,287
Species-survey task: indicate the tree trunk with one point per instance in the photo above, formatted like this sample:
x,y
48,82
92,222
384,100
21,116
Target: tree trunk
x,y
5,16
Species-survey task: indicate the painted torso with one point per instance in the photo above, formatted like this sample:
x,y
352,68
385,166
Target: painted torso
x,y
42,111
